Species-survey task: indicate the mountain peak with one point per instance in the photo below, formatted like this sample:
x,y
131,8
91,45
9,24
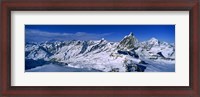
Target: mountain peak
x,y
128,42
153,40
131,34
102,40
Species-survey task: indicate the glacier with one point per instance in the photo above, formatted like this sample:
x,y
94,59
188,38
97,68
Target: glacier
x,y
127,55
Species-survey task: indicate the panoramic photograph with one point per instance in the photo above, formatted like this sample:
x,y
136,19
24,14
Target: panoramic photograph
x,y
99,48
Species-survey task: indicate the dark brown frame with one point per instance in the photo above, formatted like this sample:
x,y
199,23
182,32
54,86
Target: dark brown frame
x,y
193,90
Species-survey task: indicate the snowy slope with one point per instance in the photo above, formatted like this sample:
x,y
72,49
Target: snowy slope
x,y
58,68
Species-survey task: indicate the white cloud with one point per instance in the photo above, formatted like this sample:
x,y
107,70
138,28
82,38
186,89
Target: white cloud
x,y
39,36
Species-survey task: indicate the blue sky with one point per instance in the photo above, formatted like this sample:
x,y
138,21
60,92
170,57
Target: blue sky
x,y
114,33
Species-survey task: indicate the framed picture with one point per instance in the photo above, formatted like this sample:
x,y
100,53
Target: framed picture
x,y
140,48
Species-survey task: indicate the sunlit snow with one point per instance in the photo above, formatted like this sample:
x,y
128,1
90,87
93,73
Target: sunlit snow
x,y
127,55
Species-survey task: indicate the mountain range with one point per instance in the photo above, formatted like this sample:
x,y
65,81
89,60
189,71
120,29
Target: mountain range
x,y
127,55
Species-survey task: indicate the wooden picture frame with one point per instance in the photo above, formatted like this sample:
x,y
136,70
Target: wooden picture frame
x,y
193,90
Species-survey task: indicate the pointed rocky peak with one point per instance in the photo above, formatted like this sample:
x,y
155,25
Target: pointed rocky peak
x,y
102,39
128,42
131,34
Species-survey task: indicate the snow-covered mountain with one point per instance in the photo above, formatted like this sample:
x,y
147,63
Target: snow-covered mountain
x,y
155,49
128,42
128,55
